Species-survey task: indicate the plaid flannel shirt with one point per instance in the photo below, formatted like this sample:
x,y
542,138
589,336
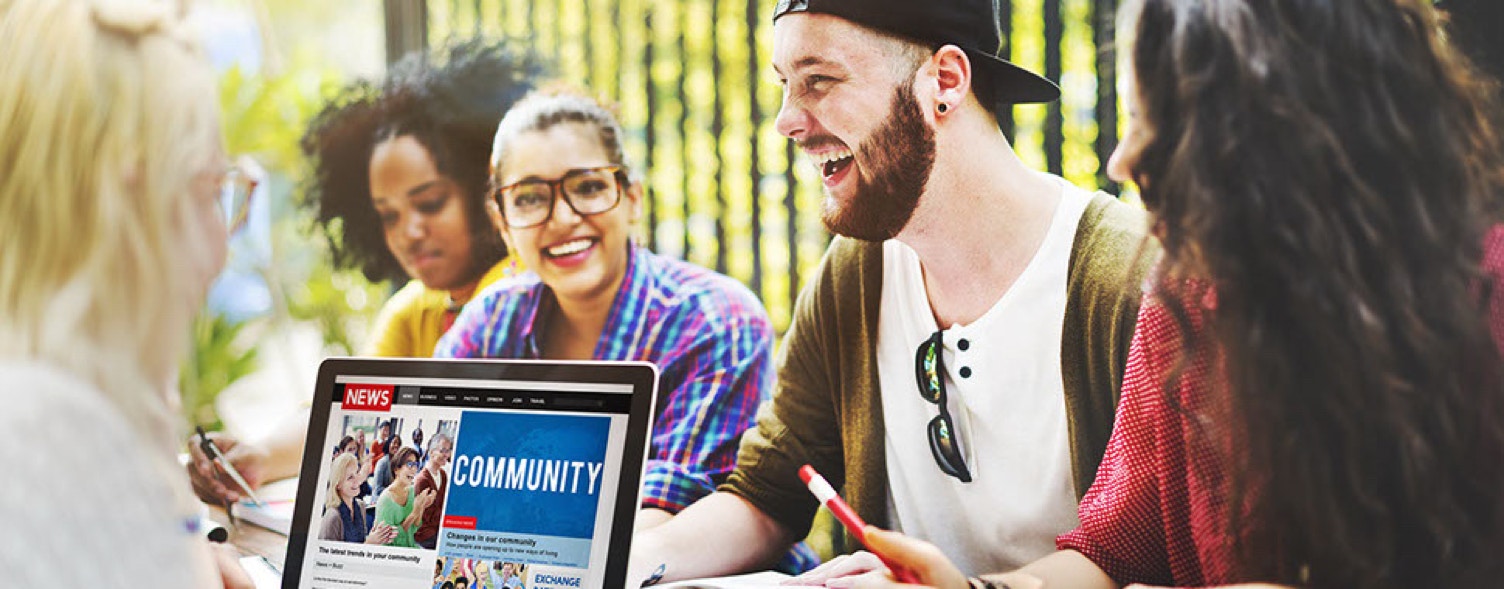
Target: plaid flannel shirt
x,y
708,334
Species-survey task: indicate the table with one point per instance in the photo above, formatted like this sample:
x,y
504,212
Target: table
x,y
250,538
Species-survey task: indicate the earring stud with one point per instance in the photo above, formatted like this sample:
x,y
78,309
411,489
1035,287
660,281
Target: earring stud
x,y
941,108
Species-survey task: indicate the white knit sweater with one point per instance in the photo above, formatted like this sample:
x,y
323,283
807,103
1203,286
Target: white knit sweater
x,y
81,505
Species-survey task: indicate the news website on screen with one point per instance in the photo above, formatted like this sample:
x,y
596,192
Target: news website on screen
x,y
521,477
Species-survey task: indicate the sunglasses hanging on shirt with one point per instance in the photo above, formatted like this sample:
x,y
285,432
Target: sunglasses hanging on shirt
x,y
929,370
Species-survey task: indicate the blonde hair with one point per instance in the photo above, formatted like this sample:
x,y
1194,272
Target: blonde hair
x,y
338,470
108,117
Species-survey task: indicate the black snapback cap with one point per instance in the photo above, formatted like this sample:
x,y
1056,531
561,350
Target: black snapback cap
x,y
968,24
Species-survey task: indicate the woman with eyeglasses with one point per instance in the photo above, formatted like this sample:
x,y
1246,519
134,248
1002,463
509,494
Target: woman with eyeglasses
x,y
400,506
566,202
1315,391
113,223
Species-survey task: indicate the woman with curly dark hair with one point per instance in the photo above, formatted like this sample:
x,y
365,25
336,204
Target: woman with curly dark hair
x,y
401,168
400,184
1315,391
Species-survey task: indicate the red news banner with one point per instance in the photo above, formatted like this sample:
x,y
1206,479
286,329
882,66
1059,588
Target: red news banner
x,y
368,397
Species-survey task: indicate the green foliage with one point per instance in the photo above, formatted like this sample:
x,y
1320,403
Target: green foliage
x,y
264,117
341,302
220,356
697,101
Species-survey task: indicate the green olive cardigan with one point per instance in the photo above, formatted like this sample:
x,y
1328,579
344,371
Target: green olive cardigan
x,y
826,409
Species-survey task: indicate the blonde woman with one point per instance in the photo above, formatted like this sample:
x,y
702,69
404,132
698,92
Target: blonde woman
x,y
111,229
344,516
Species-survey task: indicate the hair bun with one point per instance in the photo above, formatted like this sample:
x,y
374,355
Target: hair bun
x,y
132,17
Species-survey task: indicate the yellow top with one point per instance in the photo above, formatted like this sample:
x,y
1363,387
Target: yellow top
x,y
412,321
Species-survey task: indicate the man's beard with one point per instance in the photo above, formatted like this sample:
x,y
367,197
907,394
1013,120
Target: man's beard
x,y
899,155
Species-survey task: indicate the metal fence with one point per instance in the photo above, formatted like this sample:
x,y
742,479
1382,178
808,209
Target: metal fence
x,y
697,98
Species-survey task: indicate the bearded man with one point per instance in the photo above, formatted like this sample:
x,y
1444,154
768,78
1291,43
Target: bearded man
x,y
954,366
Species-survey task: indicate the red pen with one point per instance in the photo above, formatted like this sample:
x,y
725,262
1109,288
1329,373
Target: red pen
x,y
848,517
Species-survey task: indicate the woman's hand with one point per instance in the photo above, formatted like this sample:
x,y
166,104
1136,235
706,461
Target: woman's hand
x,y
420,503
382,533
367,463
864,570
1240,586
210,483
424,499
920,559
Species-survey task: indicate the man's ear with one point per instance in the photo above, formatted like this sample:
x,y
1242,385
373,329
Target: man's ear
x,y
952,71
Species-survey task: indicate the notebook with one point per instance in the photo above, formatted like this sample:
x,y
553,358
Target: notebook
x,y
541,487
761,580
275,511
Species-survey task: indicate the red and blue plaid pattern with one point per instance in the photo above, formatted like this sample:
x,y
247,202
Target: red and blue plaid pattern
x,y
708,334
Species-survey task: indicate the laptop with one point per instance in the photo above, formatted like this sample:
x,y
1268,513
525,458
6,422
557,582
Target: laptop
x,y
543,481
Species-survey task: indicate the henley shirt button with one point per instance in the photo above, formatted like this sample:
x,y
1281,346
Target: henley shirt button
x,y
965,372
963,344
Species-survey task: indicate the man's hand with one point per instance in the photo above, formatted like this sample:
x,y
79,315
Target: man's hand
x,y
210,482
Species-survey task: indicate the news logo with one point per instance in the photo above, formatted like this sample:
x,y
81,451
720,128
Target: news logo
x,y
368,397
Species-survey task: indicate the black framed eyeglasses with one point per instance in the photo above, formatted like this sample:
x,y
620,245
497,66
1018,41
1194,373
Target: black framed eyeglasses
x,y
587,191
929,371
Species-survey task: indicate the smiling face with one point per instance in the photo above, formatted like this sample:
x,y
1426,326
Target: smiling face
x,y
439,455
404,465
849,104
349,485
581,258
422,215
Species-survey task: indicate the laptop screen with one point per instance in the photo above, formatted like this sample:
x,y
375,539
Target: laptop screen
x,y
533,469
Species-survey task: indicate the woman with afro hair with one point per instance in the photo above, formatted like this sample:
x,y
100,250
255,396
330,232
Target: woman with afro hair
x,y
400,184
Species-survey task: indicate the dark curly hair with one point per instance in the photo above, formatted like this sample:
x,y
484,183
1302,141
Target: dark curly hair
x,y
1474,27
1330,169
451,106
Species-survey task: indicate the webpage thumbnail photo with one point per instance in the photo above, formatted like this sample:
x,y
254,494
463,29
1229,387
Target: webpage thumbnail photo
x,y
387,481
467,573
